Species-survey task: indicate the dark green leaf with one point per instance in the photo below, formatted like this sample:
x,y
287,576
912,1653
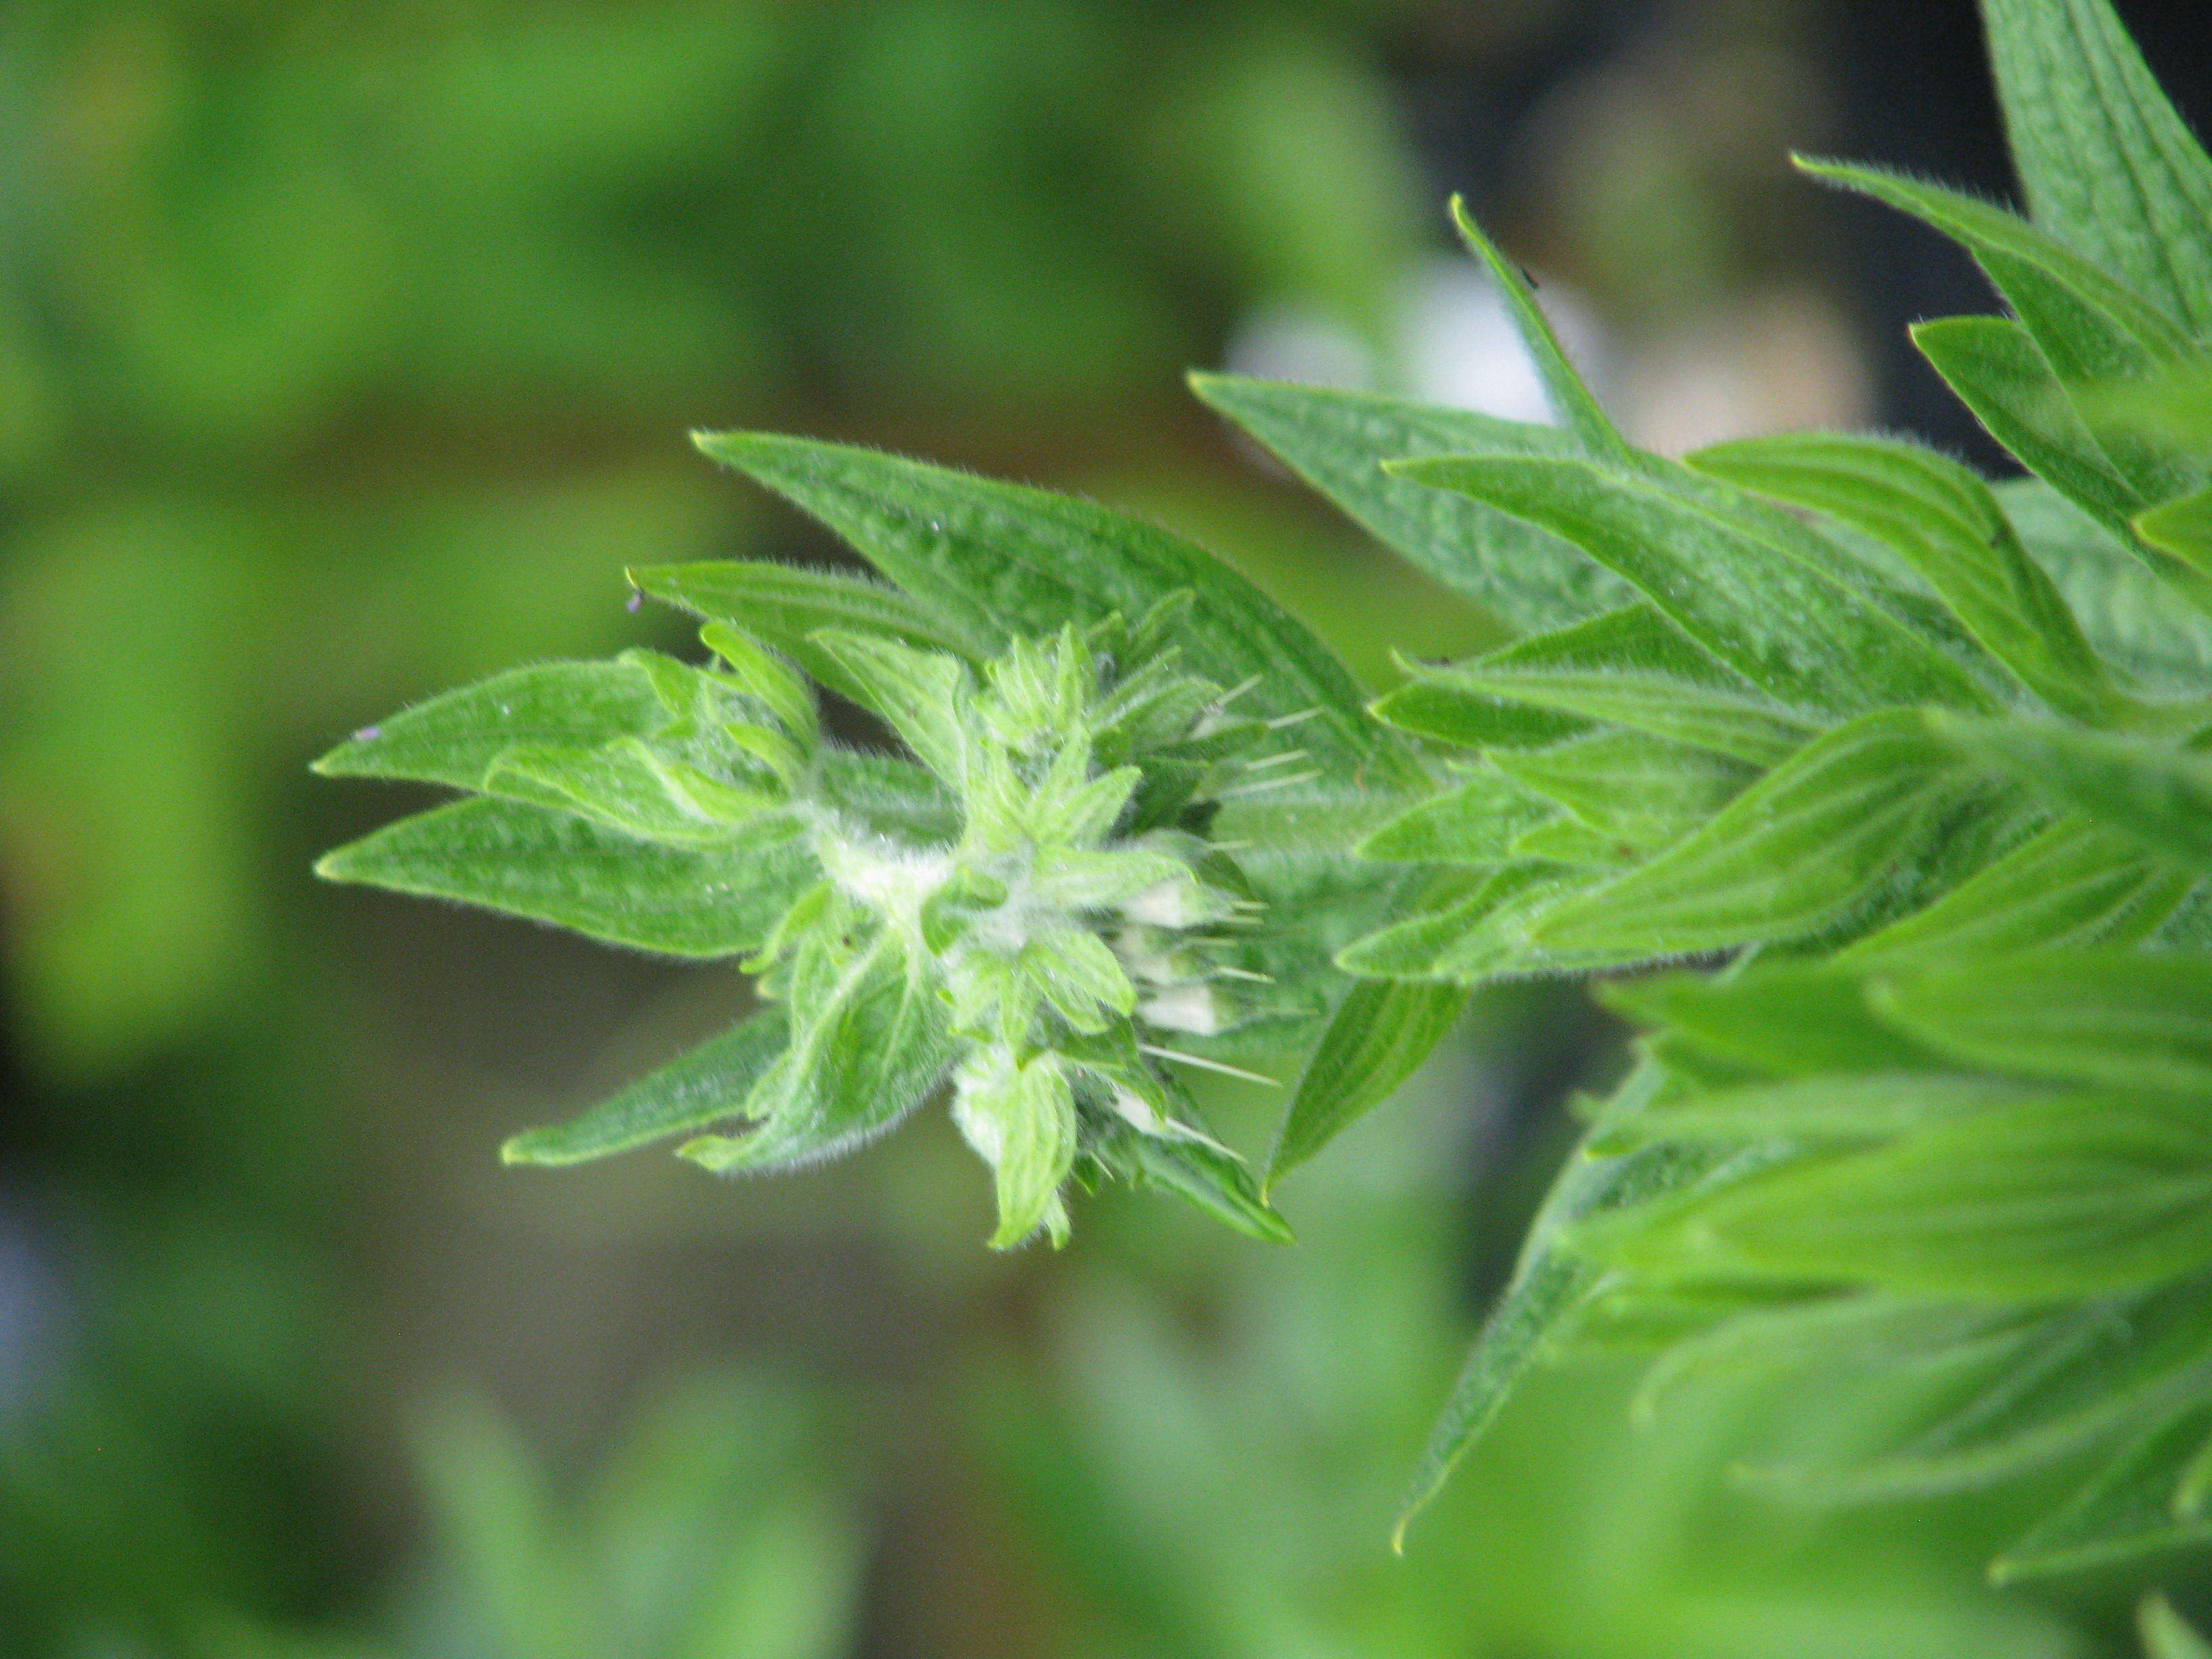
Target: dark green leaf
x,y
1338,441
1629,667
2108,167
1798,851
2158,796
2089,325
1379,1034
1943,521
707,1084
549,867
1733,575
1471,720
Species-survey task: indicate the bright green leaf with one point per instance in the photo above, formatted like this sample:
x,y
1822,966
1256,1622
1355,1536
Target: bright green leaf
x,y
1380,1033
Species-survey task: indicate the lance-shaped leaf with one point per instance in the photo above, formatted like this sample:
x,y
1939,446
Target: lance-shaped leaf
x,y
1337,441
2090,325
629,787
1943,521
1629,667
2073,882
1482,936
2076,1375
551,866
705,1086
2109,167
1637,793
1207,1175
455,739
1798,851
1476,823
1380,1033
2119,1018
998,559
2048,1198
2165,1634
1551,1285
1998,373
1569,395
920,695
2125,1510
866,1044
1446,713
1731,575
2156,794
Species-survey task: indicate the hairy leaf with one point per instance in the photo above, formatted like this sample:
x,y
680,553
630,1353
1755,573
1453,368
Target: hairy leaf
x,y
1733,579
2158,796
1380,1033
1338,441
709,1083
551,866
2108,167
1001,559
1945,523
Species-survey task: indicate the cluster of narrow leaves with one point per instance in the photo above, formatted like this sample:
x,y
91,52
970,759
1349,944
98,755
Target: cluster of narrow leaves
x,y
1917,766
1099,858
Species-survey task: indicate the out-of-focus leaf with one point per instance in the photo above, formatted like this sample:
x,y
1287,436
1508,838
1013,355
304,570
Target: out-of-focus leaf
x,y
2050,1199
2121,1019
1001,559
1338,442
2165,1634
1945,523
709,1083
1789,855
2109,167
2125,1510
2182,528
1381,1032
1862,1105
1787,1019
551,866
1732,575
1550,1285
